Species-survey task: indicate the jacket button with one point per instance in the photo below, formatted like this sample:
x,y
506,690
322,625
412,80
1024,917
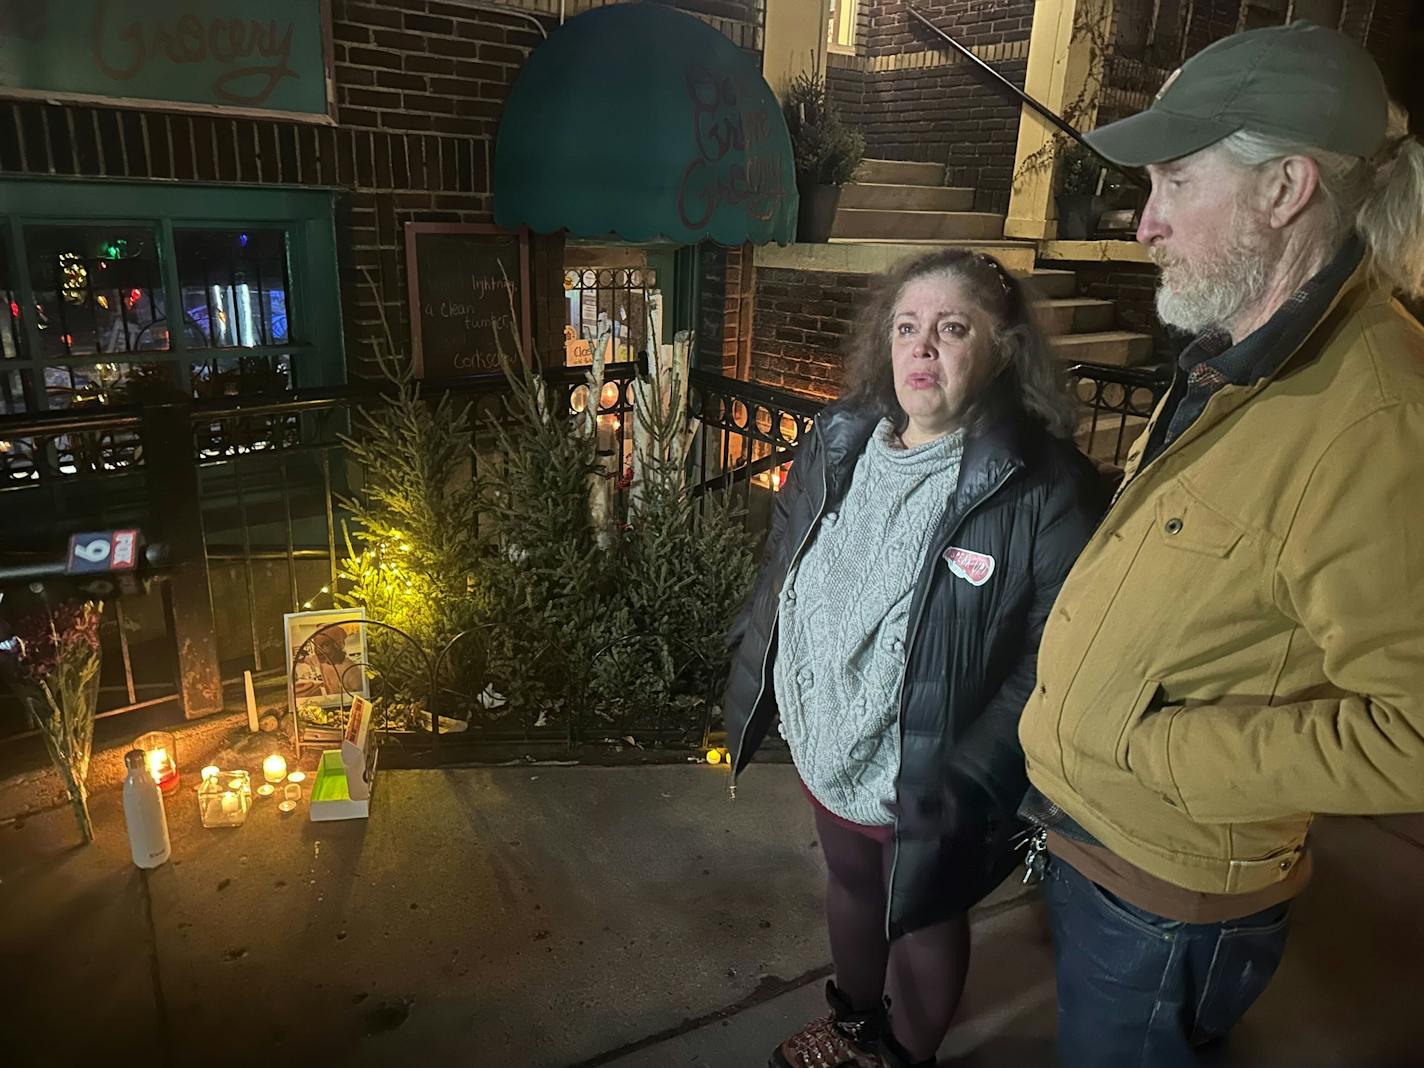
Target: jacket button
x,y
790,596
830,517
1285,865
1173,526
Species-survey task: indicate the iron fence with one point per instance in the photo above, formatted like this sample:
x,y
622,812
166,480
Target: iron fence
x,y
271,477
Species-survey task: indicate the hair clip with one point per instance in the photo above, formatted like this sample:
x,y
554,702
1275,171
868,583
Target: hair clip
x,y
998,269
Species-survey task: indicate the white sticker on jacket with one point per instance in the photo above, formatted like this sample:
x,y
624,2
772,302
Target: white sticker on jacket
x,y
974,568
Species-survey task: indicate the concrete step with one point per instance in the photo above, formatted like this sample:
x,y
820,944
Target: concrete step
x,y
872,256
1120,348
907,197
1076,315
899,172
923,225
1051,284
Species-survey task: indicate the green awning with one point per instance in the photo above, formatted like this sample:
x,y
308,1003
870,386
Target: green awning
x,y
640,122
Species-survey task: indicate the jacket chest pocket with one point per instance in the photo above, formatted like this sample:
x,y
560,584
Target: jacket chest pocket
x,y
1184,522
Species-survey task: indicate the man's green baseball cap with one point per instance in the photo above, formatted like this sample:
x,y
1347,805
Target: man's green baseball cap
x,y
1301,81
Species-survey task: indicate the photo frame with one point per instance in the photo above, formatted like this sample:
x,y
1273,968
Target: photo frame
x,y
326,664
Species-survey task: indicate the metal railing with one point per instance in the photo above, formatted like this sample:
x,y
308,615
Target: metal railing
x,y
271,475
1008,89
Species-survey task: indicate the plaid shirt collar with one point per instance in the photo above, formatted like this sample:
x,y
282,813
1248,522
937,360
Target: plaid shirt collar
x,y
1212,361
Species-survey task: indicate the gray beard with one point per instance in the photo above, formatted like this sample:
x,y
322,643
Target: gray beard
x,y
1200,297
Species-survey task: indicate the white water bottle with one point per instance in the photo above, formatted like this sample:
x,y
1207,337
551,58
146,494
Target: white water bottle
x,y
143,814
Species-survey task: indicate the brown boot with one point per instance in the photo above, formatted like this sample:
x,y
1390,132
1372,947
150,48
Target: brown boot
x,y
844,1039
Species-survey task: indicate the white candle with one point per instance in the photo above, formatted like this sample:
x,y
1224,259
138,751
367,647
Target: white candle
x,y
297,776
230,803
274,768
212,771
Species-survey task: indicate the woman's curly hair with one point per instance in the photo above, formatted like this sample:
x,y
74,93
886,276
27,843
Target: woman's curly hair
x,y
1033,372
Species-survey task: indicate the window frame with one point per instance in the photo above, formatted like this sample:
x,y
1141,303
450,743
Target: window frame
x,y
307,217
842,13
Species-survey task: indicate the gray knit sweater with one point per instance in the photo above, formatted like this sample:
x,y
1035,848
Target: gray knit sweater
x,y
844,615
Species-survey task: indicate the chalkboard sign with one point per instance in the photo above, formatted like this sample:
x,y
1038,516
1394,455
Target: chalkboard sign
x,y
469,297
251,57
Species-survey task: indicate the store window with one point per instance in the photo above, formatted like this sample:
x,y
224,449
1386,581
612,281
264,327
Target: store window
x,y
608,302
130,308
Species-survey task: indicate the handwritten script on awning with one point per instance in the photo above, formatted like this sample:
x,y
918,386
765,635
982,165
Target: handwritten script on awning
x,y
735,165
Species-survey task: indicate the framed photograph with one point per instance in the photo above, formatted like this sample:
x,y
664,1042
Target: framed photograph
x,y
326,657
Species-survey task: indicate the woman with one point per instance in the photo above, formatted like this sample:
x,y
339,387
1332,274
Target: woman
x,y
915,552
323,666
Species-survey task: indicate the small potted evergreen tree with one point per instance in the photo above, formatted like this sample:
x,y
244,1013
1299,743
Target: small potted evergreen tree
x,y
1077,185
827,151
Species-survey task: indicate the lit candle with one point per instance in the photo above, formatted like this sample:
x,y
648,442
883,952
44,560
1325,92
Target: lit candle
x,y
274,768
212,771
297,776
266,790
230,802
161,769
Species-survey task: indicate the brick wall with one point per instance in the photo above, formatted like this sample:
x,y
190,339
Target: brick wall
x,y
419,87
846,87
713,312
725,318
1139,65
943,113
803,320
972,23
948,116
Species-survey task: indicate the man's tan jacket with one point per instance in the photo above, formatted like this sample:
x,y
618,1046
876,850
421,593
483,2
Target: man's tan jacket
x,y
1241,644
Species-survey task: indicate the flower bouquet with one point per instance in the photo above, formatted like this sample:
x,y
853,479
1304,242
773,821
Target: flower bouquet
x,y
52,661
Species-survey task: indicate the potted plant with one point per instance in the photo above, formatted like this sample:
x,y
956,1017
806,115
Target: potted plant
x,y
827,153
1078,171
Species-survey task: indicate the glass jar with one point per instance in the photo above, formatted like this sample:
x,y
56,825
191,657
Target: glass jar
x,y
224,798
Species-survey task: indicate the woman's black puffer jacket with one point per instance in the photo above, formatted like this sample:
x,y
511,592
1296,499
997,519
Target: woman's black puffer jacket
x,y
1025,505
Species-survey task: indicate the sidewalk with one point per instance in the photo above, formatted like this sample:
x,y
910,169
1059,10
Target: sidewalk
x,y
575,916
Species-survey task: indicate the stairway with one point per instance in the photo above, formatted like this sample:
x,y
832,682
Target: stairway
x,y
899,203
1084,330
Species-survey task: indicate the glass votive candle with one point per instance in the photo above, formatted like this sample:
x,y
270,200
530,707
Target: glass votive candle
x,y
297,776
274,768
224,798
291,794
160,756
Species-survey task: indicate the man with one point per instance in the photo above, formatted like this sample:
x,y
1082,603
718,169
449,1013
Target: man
x,y
1241,644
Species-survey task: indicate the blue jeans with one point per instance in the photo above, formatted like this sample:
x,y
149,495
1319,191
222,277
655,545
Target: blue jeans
x,y
1136,990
